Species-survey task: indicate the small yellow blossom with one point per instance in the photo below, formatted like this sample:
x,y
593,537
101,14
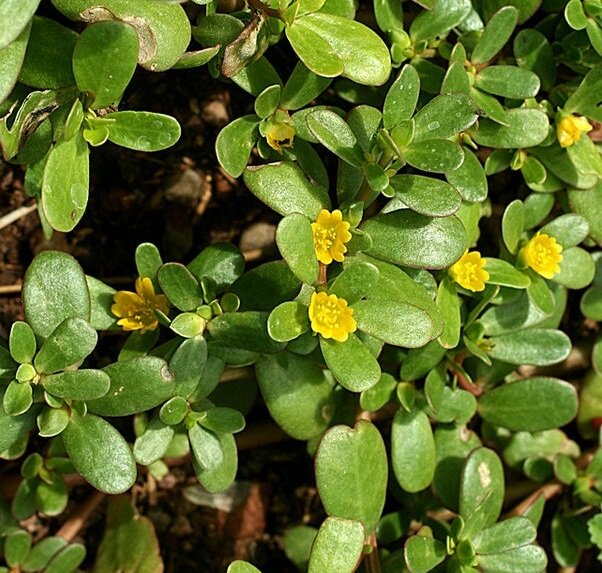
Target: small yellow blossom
x,y
570,128
136,310
542,254
331,317
468,271
330,235
280,135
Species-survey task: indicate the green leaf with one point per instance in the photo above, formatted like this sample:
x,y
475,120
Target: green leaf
x,y
357,280
297,392
47,62
496,34
206,447
267,101
314,51
43,552
65,183
334,133
99,453
288,321
22,342
187,364
444,15
534,52
444,116
148,260
347,490
14,17
448,302
402,97
294,238
222,420
348,539
78,384
525,128
242,567
221,477
17,398
393,322
11,60
513,222
481,491
163,29
235,142
587,95
469,179
351,363
413,240
298,541
526,559
422,554
540,294
327,43
136,386
152,444
68,560
504,274
508,81
434,155
220,262
376,397
426,195
577,269
505,536
245,330
68,344
51,422
558,163
104,61
101,301
302,87
143,130
537,346
13,427
16,547
569,229
530,405
412,450
284,188
54,289
180,286
129,543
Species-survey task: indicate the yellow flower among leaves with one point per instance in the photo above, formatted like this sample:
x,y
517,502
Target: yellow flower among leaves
x,y
136,310
570,128
542,254
330,235
468,271
331,317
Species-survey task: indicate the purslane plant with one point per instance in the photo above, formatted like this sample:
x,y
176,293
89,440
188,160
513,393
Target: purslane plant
x,y
418,355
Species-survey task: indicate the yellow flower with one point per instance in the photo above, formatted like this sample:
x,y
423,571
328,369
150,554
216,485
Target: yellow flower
x,y
542,254
468,271
280,135
136,310
331,317
570,128
330,235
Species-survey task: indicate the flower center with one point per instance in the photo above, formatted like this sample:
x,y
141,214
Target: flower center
x,y
543,254
329,314
325,237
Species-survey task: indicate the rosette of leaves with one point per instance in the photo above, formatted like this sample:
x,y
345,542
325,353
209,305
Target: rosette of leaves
x,y
66,100
273,105
51,389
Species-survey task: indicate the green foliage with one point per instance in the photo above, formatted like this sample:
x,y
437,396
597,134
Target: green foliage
x,y
436,222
